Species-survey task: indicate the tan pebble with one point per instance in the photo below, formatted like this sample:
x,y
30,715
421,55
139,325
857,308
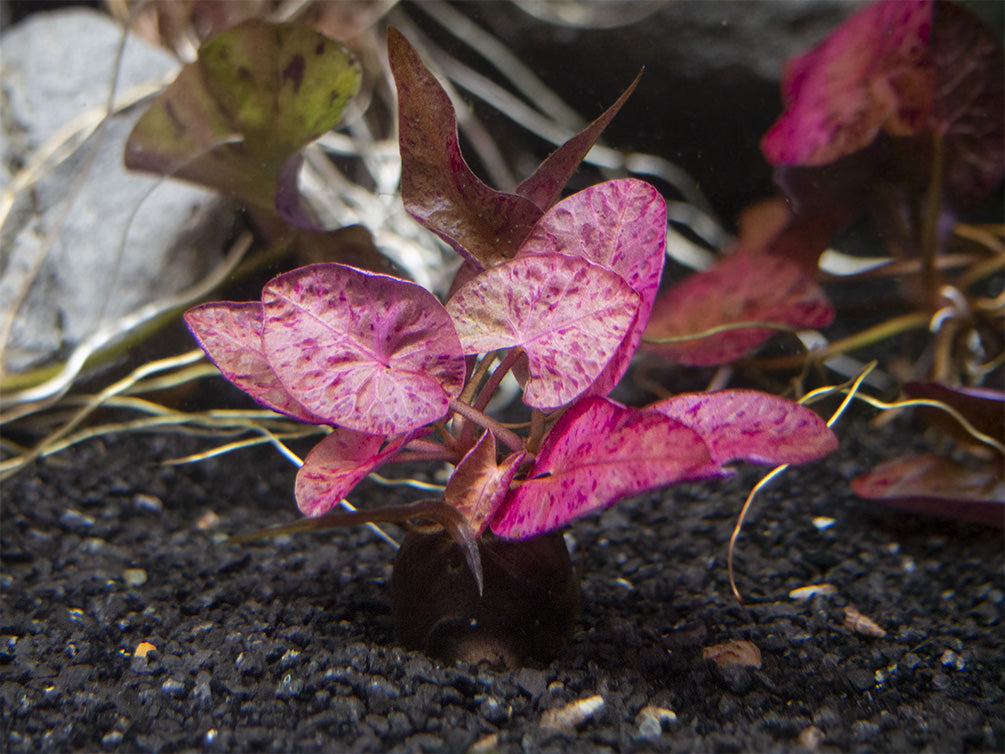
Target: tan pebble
x,y
861,624
810,737
572,714
812,590
143,648
733,652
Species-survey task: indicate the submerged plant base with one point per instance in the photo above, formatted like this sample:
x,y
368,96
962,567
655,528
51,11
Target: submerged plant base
x,y
526,612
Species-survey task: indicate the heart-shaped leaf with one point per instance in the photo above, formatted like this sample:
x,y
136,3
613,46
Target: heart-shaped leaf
x,y
740,288
479,484
231,335
874,72
234,118
337,464
365,351
597,453
620,225
569,316
938,486
437,186
750,425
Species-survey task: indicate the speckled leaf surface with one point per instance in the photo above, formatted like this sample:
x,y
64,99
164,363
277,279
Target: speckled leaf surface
x,y
873,73
437,186
255,96
598,453
936,485
751,425
569,316
743,287
337,464
231,335
365,351
544,186
480,483
620,225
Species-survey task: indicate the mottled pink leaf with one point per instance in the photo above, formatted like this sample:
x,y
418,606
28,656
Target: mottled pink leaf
x,y
479,484
872,73
231,335
544,186
337,464
437,186
620,225
742,287
370,352
568,315
596,454
936,485
751,425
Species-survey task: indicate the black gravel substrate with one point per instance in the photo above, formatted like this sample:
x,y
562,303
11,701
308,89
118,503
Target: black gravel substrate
x,y
286,645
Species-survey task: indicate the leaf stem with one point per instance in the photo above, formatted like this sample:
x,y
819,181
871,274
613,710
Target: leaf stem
x,y
930,221
507,436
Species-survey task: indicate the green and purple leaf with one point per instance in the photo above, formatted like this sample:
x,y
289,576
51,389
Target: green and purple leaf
x,y
596,454
620,225
231,335
479,484
437,186
337,464
237,118
752,426
544,186
570,316
365,351
939,486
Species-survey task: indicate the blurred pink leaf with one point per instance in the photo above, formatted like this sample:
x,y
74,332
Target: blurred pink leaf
x,y
479,484
751,425
544,186
936,485
257,94
437,186
365,351
742,287
568,315
874,72
231,335
621,226
982,407
596,454
337,464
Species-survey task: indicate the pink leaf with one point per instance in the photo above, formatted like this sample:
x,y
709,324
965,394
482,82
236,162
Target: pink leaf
x,y
337,464
743,287
365,351
982,407
437,186
598,453
872,73
621,226
751,425
231,335
935,485
544,187
568,315
479,483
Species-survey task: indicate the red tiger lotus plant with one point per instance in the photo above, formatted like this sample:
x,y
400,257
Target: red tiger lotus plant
x,y
557,293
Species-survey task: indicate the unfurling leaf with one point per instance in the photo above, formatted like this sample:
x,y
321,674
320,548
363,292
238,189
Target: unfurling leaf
x,y
938,486
480,483
231,335
751,425
621,226
336,464
596,454
569,316
236,118
437,186
365,351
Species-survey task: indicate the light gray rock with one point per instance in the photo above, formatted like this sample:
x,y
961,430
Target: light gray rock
x,y
94,241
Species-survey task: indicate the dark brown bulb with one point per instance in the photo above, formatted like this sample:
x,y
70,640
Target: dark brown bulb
x,y
526,613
